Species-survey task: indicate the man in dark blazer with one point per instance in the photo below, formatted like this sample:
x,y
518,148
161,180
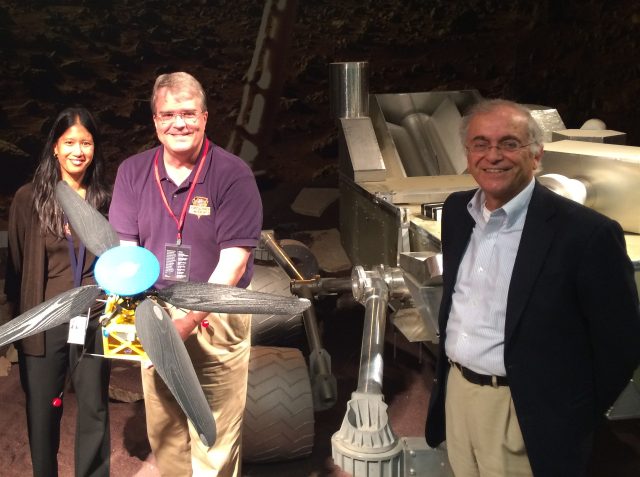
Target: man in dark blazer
x,y
539,320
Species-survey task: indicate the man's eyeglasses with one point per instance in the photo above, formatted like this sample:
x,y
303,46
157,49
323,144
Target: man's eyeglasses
x,y
167,117
506,146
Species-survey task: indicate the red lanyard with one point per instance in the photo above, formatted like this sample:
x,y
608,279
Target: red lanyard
x,y
180,223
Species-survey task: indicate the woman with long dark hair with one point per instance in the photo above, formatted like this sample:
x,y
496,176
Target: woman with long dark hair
x,y
45,259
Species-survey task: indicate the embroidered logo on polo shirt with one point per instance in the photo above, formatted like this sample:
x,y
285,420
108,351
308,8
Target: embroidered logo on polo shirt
x,y
200,206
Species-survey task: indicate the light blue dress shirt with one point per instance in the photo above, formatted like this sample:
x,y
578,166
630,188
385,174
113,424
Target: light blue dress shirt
x,y
475,329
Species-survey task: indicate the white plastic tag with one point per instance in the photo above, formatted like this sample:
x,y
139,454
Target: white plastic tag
x,y
78,329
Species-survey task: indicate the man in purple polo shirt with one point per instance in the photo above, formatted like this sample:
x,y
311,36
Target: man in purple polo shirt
x,y
198,209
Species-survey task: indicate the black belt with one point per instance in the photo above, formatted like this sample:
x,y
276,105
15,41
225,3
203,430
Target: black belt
x,y
481,379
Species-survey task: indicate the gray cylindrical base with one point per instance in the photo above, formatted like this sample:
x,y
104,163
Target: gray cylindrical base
x,y
369,465
365,445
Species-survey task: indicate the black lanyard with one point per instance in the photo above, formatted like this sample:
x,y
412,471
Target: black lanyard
x,y
77,262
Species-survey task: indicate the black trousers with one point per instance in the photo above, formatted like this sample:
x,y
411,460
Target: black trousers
x,y
43,378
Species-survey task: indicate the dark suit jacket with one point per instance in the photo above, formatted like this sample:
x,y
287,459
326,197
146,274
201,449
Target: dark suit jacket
x,y
572,331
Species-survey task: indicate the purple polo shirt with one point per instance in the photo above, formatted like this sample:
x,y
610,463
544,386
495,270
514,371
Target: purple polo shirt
x,y
225,209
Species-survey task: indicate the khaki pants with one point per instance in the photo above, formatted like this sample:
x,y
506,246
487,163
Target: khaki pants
x,y
483,434
220,356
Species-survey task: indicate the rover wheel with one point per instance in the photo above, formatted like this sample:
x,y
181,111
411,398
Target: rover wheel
x,y
278,418
270,329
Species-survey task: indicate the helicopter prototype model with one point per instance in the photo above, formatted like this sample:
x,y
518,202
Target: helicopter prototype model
x,y
127,274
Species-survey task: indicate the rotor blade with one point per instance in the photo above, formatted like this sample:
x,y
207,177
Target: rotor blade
x,y
93,229
59,309
165,348
213,297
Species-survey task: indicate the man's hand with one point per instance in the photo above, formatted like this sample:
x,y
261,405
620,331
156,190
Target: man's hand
x,y
230,268
189,322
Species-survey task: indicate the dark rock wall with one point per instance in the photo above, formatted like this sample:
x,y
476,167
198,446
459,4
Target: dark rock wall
x,y
580,57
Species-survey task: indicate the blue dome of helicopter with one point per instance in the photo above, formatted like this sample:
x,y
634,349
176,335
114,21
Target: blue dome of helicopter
x,y
126,270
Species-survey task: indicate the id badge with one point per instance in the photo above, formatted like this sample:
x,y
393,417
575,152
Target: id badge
x,y
177,262
78,329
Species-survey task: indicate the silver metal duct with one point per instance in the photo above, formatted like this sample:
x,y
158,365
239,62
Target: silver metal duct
x,y
349,84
